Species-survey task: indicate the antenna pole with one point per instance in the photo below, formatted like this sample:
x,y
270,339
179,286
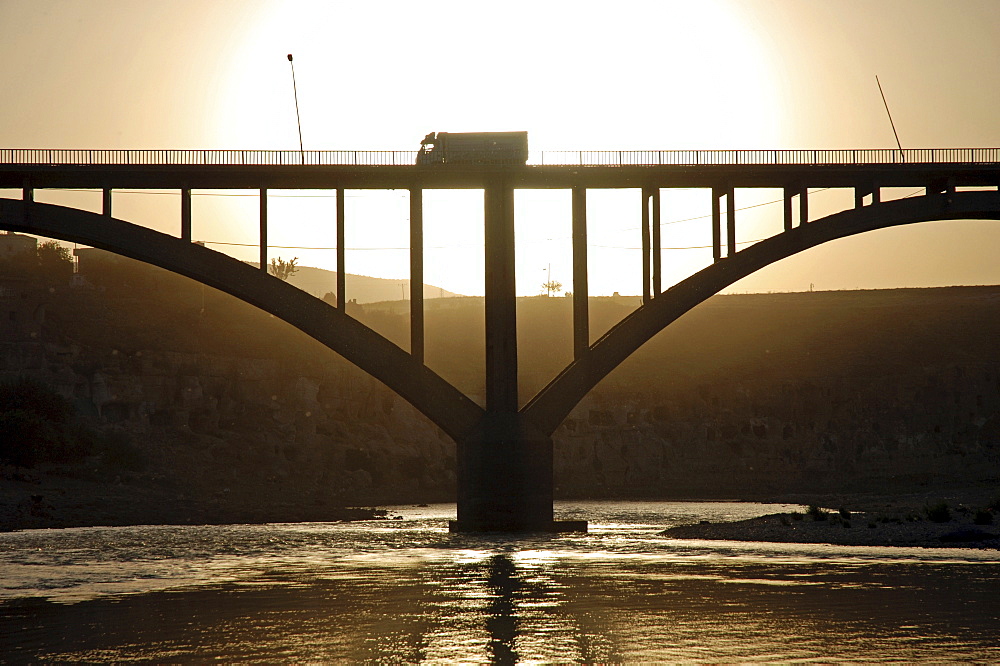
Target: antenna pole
x,y
892,124
298,120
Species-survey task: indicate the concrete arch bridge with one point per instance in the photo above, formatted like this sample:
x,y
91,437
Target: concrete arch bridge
x,y
505,447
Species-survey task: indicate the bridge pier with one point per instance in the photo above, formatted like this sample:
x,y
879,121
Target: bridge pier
x,y
505,480
505,467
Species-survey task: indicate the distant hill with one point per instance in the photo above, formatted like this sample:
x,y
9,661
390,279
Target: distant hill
x,y
364,289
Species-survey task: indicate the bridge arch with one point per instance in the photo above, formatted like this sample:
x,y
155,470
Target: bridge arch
x,y
446,406
554,402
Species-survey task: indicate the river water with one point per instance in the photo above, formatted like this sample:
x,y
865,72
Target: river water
x,y
406,590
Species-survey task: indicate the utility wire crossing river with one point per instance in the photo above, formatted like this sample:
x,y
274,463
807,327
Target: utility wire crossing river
x,y
406,590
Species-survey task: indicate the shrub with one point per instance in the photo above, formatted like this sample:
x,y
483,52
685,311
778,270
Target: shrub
x,y
34,397
35,425
119,453
24,437
938,513
816,513
983,517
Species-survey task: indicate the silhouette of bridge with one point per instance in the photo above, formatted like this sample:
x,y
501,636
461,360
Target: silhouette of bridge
x,y
504,448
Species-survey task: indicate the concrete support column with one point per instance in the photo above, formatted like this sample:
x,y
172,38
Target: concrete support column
x,y
501,317
646,195
788,194
417,274
657,253
504,466
186,214
341,275
581,299
106,202
803,194
263,230
731,220
716,225
28,197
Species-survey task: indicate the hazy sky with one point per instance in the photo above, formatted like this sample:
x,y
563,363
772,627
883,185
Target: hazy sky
x,y
624,75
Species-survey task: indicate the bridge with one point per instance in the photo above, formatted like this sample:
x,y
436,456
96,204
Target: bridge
x,y
505,450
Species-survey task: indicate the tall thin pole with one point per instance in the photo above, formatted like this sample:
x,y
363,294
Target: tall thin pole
x,y
886,104
298,120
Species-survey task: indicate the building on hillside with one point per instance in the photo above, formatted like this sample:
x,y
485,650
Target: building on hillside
x,y
22,311
100,267
12,245
92,259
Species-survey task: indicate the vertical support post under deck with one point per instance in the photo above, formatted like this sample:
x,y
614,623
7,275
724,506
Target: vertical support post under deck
x,y
186,214
716,225
581,302
341,275
28,196
788,194
501,294
731,220
417,275
106,202
804,206
657,253
645,244
263,230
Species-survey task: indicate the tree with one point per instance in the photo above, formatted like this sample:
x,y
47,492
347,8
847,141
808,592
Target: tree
x,y
34,424
552,286
54,261
282,269
49,260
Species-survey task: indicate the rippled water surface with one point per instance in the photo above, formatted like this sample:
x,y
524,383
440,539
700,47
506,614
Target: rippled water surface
x,y
406,590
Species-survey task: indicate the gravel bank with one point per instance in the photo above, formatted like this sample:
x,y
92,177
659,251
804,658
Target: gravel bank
x,y
959,526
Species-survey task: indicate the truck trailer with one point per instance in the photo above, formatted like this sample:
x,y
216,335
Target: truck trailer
x,y
482,148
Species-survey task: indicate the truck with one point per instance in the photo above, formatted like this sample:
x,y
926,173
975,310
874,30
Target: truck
x,y
481,148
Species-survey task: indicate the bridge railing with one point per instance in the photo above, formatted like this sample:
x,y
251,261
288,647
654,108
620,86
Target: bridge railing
x,y
585,158
71,157
766,157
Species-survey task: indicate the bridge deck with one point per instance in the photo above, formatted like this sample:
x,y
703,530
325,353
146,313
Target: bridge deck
x,y
176,176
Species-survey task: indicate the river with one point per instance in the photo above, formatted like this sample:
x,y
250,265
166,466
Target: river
x,y
405,590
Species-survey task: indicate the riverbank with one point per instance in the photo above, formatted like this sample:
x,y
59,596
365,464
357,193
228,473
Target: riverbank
x,y
965,518
73,497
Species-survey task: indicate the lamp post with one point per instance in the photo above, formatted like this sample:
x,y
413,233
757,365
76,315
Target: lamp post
x,y
298,120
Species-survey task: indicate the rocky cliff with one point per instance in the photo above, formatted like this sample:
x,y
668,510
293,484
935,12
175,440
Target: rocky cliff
x,y
228,412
